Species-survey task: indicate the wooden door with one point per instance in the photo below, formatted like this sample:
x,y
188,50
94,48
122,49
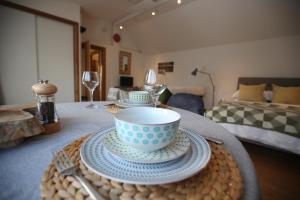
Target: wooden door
x,y
85,66
96,66
93,59
101,62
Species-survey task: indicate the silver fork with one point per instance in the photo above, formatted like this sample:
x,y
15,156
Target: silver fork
x,y
214,140
66,167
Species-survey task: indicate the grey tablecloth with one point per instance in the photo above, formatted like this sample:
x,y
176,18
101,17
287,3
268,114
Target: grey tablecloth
x,y
22,167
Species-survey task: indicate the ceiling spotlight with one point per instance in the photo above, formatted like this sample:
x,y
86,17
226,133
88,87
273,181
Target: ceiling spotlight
x,y
121,27
178,1
153,13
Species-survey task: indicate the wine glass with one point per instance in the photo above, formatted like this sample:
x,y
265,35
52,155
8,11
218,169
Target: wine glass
x,y
90,80
155,89
150,80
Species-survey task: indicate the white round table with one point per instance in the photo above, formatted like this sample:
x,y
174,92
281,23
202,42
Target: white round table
x,y
22,167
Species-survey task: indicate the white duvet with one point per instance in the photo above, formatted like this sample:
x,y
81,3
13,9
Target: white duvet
x,y
272,139
268,138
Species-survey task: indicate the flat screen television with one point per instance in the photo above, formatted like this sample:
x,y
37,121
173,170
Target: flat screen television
x,y
126,81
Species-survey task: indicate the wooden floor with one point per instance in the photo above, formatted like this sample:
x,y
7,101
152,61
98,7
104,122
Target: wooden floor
x,y
278,172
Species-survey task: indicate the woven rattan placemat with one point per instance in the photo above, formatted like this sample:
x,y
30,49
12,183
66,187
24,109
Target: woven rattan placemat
x,y
221,179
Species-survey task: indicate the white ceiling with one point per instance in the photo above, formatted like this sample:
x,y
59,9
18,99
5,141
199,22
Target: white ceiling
x,y
199,23
213,22
110,10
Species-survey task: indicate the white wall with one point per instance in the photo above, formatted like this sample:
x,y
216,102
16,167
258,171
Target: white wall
x,y
137,66
62,9
99,32
277,57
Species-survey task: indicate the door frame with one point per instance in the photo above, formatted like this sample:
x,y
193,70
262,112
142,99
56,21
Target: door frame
x,y
75,26
103,62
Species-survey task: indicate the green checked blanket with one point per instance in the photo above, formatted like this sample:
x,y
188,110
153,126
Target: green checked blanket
x,y
277,117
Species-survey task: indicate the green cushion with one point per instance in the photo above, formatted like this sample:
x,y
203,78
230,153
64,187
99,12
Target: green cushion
x,y
164,97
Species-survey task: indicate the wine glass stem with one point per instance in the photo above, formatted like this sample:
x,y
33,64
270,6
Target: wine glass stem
x,y
155,101
153,98
91,96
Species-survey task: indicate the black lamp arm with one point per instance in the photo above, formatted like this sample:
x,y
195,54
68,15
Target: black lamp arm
x,y
212,83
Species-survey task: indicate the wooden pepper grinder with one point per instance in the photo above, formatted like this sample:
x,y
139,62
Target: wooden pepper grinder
x,y
45,106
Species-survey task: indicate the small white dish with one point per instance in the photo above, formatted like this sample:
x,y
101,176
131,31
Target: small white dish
x,y
176,149
139,97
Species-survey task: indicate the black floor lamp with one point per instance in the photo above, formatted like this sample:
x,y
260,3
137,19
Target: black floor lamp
x,y
194,73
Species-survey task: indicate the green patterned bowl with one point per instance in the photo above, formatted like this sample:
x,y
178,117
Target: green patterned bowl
x,y
147,128
142,97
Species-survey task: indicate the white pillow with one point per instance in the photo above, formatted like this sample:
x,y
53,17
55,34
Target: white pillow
x,y
268,95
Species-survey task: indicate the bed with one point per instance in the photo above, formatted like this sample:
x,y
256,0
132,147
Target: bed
x,y
272,125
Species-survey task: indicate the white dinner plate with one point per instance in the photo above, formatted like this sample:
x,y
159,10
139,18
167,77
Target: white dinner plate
x,y
96,157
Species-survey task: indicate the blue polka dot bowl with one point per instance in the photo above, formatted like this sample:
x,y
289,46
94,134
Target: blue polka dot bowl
x,y
141,97
147,128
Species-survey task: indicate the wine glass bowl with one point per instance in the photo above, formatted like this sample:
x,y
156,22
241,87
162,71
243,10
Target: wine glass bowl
x,y
91,80
151,85
150,77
